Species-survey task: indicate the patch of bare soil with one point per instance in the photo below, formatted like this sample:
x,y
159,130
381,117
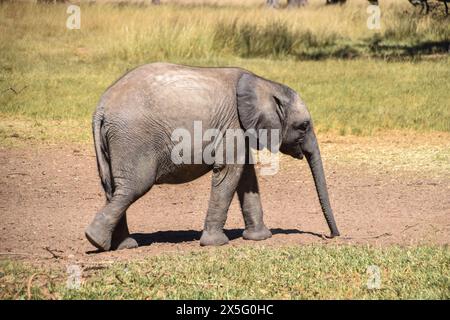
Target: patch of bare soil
x,y
48,195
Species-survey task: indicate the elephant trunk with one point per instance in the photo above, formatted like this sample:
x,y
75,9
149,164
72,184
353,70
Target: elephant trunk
x,y
310,148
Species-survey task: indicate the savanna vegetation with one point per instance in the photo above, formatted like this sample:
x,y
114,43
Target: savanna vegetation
x,y
311,272
355,81
397,77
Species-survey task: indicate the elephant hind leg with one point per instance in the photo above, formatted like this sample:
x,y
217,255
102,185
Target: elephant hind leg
x,y
100,231
109,230
121,236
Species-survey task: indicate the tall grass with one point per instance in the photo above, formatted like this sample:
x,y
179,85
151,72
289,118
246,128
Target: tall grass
x,y
171,32
58,74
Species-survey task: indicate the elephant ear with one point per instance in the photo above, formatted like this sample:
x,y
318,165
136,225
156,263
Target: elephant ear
x,y
261,104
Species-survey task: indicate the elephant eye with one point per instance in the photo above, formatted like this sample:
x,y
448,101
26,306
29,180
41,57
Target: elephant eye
x,y
303,126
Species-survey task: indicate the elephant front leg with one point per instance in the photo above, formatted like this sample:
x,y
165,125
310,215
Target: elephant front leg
x,y
225,179
250,201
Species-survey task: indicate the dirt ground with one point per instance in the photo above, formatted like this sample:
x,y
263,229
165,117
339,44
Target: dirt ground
x,y
49,194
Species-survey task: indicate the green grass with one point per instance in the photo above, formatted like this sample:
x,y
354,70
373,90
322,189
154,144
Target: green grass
x,y
309,272
275,39
58,74
350,97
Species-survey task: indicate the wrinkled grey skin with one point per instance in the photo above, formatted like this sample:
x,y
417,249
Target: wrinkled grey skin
x,y
132,129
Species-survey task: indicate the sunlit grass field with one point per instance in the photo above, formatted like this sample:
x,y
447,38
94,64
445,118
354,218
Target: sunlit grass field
x,y
50,73
311,272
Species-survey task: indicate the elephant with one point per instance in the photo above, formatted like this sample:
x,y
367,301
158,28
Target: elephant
x,y
132,127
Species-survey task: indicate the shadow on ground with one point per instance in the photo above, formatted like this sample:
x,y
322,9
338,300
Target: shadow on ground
x,y
178,236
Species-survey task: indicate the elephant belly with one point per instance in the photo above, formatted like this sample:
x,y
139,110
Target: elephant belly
x,y
183,173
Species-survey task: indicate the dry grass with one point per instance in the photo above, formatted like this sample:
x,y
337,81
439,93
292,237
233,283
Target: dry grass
x,y
397,152
58,74
170,31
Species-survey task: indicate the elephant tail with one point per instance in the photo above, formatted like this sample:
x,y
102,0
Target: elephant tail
x,y
102,152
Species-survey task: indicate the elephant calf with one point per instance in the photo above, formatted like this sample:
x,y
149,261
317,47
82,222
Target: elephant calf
x,y
133,126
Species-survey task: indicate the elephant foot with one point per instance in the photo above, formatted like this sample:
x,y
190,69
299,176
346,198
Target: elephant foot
x,y
261,233
213,238
121,236
128,243
98,234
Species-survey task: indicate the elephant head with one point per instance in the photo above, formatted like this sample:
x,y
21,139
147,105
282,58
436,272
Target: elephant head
x,y
263,104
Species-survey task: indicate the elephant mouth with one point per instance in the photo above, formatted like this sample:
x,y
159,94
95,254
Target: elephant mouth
x,y
299,154
294,150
